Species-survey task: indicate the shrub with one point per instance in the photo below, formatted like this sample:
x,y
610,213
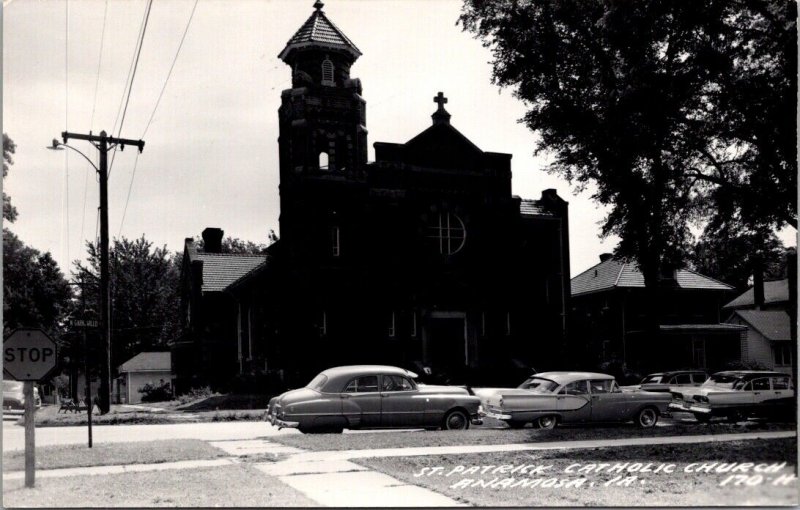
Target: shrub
x,y
156,393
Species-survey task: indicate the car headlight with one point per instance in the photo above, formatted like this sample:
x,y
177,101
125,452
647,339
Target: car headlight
x,y
500,402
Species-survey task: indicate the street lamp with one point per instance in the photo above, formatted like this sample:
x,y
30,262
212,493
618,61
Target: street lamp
x,y
58,146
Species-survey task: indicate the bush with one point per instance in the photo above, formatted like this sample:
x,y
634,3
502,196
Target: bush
x,y
156,393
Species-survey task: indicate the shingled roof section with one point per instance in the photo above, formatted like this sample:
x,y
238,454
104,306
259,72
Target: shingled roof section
x,y
529,207
318,30
773,324
613,273
222,269
148,362
774,292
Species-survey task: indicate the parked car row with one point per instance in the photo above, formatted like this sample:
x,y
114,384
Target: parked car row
x,y
376,396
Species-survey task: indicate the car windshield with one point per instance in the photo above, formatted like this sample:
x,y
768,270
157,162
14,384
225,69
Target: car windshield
x,y
652,379
721,381
539,385
12,385
318,382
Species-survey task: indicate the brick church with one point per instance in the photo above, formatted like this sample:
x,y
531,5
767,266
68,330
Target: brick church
x,y
422,258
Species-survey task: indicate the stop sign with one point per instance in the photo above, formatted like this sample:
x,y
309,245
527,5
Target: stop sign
x,y
28,354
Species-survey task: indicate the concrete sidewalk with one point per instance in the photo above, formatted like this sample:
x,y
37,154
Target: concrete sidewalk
x,y
331,479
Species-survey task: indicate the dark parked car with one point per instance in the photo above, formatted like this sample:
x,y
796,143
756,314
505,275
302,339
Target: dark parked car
x,y
737,395
13,398
372,396
549,398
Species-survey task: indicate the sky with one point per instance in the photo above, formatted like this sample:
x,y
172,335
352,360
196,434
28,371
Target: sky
x,y
211,153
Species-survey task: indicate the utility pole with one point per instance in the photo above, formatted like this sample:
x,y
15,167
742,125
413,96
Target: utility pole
x,y
103,143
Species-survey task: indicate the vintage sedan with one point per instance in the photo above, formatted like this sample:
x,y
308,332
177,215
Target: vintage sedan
x,y
669,381
14,398
738,394
550,398
372,396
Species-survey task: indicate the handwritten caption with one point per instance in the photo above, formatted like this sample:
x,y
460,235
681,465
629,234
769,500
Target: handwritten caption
x,y
612,474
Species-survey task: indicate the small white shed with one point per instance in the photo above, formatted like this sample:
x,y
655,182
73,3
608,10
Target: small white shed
x,y
146,367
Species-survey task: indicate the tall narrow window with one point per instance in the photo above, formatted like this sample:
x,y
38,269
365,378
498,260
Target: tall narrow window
x,y
391,330
323,324
508,323
483,323
323,160
335,246
413,323
327,72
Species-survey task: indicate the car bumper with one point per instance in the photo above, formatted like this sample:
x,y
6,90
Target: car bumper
x,y
281,424
497,415
689,408
476,419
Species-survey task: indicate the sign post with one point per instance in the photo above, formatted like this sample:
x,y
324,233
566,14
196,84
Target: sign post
x,y
29,355
84,324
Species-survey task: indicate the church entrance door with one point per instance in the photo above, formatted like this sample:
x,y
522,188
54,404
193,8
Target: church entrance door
x,y
446,343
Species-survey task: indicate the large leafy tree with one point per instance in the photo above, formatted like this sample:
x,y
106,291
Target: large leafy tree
x,y
674,111
725,252
144,295
9,148
35,293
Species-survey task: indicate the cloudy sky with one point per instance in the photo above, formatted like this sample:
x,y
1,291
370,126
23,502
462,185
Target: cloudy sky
x,y
211,153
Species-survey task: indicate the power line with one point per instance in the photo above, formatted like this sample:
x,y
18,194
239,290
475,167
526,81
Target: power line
x,y
180,45
129,80
65,199
99,61
130,187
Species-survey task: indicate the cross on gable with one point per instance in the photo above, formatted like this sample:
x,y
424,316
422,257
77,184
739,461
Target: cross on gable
x,y
439,98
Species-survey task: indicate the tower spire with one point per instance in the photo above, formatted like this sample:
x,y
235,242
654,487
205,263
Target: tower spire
x,y
440,116
318,5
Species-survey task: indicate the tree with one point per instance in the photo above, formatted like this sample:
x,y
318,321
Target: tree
x,y
725,251
35,292
9,148
144,295
673,110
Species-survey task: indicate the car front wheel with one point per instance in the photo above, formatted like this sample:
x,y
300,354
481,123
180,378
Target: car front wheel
x,y
456,420
647,418
547,422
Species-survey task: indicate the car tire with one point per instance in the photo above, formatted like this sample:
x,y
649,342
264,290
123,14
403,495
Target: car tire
x,y
647,418
455,420
547,422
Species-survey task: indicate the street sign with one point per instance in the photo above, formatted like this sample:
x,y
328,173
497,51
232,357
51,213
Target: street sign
x,y
29,354
84,323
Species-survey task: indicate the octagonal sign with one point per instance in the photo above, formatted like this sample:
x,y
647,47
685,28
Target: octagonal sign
x,y
28,354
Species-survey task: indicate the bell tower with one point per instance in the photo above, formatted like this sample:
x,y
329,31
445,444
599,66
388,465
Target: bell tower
x,y
322,117
322,121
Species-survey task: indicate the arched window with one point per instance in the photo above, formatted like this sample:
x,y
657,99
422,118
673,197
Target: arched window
x,y
448,232
327,72
323,160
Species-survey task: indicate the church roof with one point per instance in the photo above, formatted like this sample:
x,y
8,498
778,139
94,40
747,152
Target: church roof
x,y
319,31
222,269
528,207
613,273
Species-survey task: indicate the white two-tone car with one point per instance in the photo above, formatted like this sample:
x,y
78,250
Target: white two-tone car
x,y
737,395
549,398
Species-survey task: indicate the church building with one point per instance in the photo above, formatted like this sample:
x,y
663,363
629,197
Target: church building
x,y
422,258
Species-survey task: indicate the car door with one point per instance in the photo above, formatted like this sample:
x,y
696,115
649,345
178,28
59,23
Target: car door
x,y
573,402
402,403
782,394
364,398
608,404
762,389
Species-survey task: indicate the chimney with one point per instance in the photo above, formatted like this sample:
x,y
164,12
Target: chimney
x,y
606,256
212,239
758,288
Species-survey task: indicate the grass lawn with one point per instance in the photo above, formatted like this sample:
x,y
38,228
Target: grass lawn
x,y
486,436
238,485
678,488
150,452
